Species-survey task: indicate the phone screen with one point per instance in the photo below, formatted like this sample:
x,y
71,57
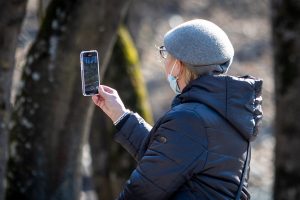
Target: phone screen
x,y
90,72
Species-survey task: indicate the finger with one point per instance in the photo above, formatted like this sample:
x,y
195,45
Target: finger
x,y
96,99
109,89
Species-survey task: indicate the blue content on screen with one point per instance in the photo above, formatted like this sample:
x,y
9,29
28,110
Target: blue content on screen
x,y
90,60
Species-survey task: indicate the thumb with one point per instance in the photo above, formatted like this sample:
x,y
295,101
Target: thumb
x,y
107,90
102,92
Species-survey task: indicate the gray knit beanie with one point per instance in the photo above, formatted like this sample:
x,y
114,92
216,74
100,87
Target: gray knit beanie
x,y
200,44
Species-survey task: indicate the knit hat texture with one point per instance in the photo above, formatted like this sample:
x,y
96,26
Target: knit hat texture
x,y
200,43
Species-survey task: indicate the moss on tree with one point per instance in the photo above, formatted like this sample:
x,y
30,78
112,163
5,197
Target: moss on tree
x,y
126,76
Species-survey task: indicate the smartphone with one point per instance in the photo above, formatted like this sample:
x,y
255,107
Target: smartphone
x,y
90,76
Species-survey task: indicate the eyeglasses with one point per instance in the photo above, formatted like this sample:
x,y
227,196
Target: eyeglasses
x,y
163,52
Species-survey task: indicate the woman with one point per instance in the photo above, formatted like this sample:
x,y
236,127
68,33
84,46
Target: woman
x,y
199,148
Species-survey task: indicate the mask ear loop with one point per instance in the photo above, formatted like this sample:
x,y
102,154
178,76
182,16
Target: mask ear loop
x,y
173,69
174,76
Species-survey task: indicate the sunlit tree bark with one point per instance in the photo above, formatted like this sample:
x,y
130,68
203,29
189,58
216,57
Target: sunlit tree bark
x,y
11,17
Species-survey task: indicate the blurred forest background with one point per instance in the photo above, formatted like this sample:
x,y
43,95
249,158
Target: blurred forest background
x,y
55,144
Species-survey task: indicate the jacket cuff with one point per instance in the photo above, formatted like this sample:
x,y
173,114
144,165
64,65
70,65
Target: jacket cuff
x,y
122,122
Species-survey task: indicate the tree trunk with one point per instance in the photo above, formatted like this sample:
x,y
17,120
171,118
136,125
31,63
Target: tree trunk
x,y
11,17
41,8
51,116
286,31
112,165
101,144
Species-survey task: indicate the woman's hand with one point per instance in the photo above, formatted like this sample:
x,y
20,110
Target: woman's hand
x,y
110,102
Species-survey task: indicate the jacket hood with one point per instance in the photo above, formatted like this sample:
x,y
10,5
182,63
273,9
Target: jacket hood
x,y
237,99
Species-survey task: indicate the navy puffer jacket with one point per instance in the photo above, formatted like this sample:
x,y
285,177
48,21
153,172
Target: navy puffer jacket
x,y
197,150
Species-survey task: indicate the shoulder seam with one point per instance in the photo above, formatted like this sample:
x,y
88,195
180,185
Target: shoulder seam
x,y
192,110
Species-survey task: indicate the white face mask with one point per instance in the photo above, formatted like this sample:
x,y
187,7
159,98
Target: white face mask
x,y
173,81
